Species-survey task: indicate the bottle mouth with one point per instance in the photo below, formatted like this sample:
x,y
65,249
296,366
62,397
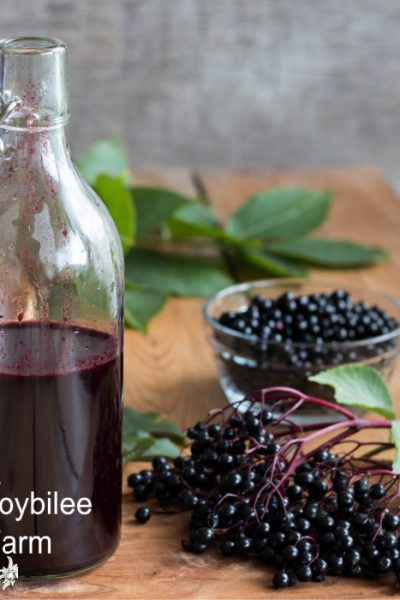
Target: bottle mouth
x,y
33,83
31,45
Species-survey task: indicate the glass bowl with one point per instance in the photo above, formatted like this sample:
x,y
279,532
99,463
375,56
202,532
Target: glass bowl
x,y
245,363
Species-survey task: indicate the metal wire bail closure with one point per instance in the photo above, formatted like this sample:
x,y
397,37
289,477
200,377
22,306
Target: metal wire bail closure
x,y
14,104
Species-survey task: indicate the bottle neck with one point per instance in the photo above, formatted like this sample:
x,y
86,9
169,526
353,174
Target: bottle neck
x,y
25,152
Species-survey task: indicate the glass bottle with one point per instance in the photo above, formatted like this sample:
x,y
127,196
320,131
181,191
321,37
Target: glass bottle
x,y
61,329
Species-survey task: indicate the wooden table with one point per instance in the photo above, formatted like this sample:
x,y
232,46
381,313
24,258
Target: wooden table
x,y
171,370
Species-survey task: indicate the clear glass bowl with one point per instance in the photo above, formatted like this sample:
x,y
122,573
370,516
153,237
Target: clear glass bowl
x,y
245,364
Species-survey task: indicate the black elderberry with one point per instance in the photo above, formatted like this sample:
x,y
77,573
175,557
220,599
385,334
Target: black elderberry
x,y
235,421
259,544
344,542
377,491
293,536
290,553
229,433
186,545
294,492
391,522
384,564
243,545
304,479
143,514
188,499
198,548
355,570
387,541
324,521
227,512
247,512
281,580
228,547
204,535
361,487
304,573
141,492
340,481
159,463
277,539
320,567
345,498
305,558
262,529
318,489
311,510
305,545
336,564
303,525
233,481
134,479
321,456
371,552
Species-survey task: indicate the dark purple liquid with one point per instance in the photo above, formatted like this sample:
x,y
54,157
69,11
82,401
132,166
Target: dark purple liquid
x,y
60,430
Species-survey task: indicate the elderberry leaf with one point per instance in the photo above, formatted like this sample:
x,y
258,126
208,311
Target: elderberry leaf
x,y
280,214
358,385
135,444
196,220
106,157
141,305
161,447
273,265
330,253
155,205
117,199
395,436
173,273
152,423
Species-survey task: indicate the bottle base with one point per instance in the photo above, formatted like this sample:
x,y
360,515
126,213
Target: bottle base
x,y
73,572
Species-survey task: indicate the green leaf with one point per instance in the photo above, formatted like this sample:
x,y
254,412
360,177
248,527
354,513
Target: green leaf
x,y
117,198
135,444
141,305
143,446
161,447
273,265
332,253
280,214
106,157
154,206
196,220
395,436
358,385
174,274
151,423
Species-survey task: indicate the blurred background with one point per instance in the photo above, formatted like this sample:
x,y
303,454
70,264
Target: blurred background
x,y
230,83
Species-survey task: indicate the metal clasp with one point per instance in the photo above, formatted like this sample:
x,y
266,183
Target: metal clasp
x,y
6,151
14,104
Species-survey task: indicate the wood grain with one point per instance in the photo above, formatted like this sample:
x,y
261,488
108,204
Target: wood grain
x,y
171,370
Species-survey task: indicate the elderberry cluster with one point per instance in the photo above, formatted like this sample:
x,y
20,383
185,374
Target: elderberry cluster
x,y
314,318
308,515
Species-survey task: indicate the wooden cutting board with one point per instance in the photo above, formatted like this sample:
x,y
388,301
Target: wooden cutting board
x,y
171,371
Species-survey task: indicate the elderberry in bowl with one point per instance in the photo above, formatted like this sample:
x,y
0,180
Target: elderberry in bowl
x,y
280,332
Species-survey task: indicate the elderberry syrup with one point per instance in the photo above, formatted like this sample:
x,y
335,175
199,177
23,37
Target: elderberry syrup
x,y
268,334
61,329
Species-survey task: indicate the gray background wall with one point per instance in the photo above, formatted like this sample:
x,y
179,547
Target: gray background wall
x,y
230,83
